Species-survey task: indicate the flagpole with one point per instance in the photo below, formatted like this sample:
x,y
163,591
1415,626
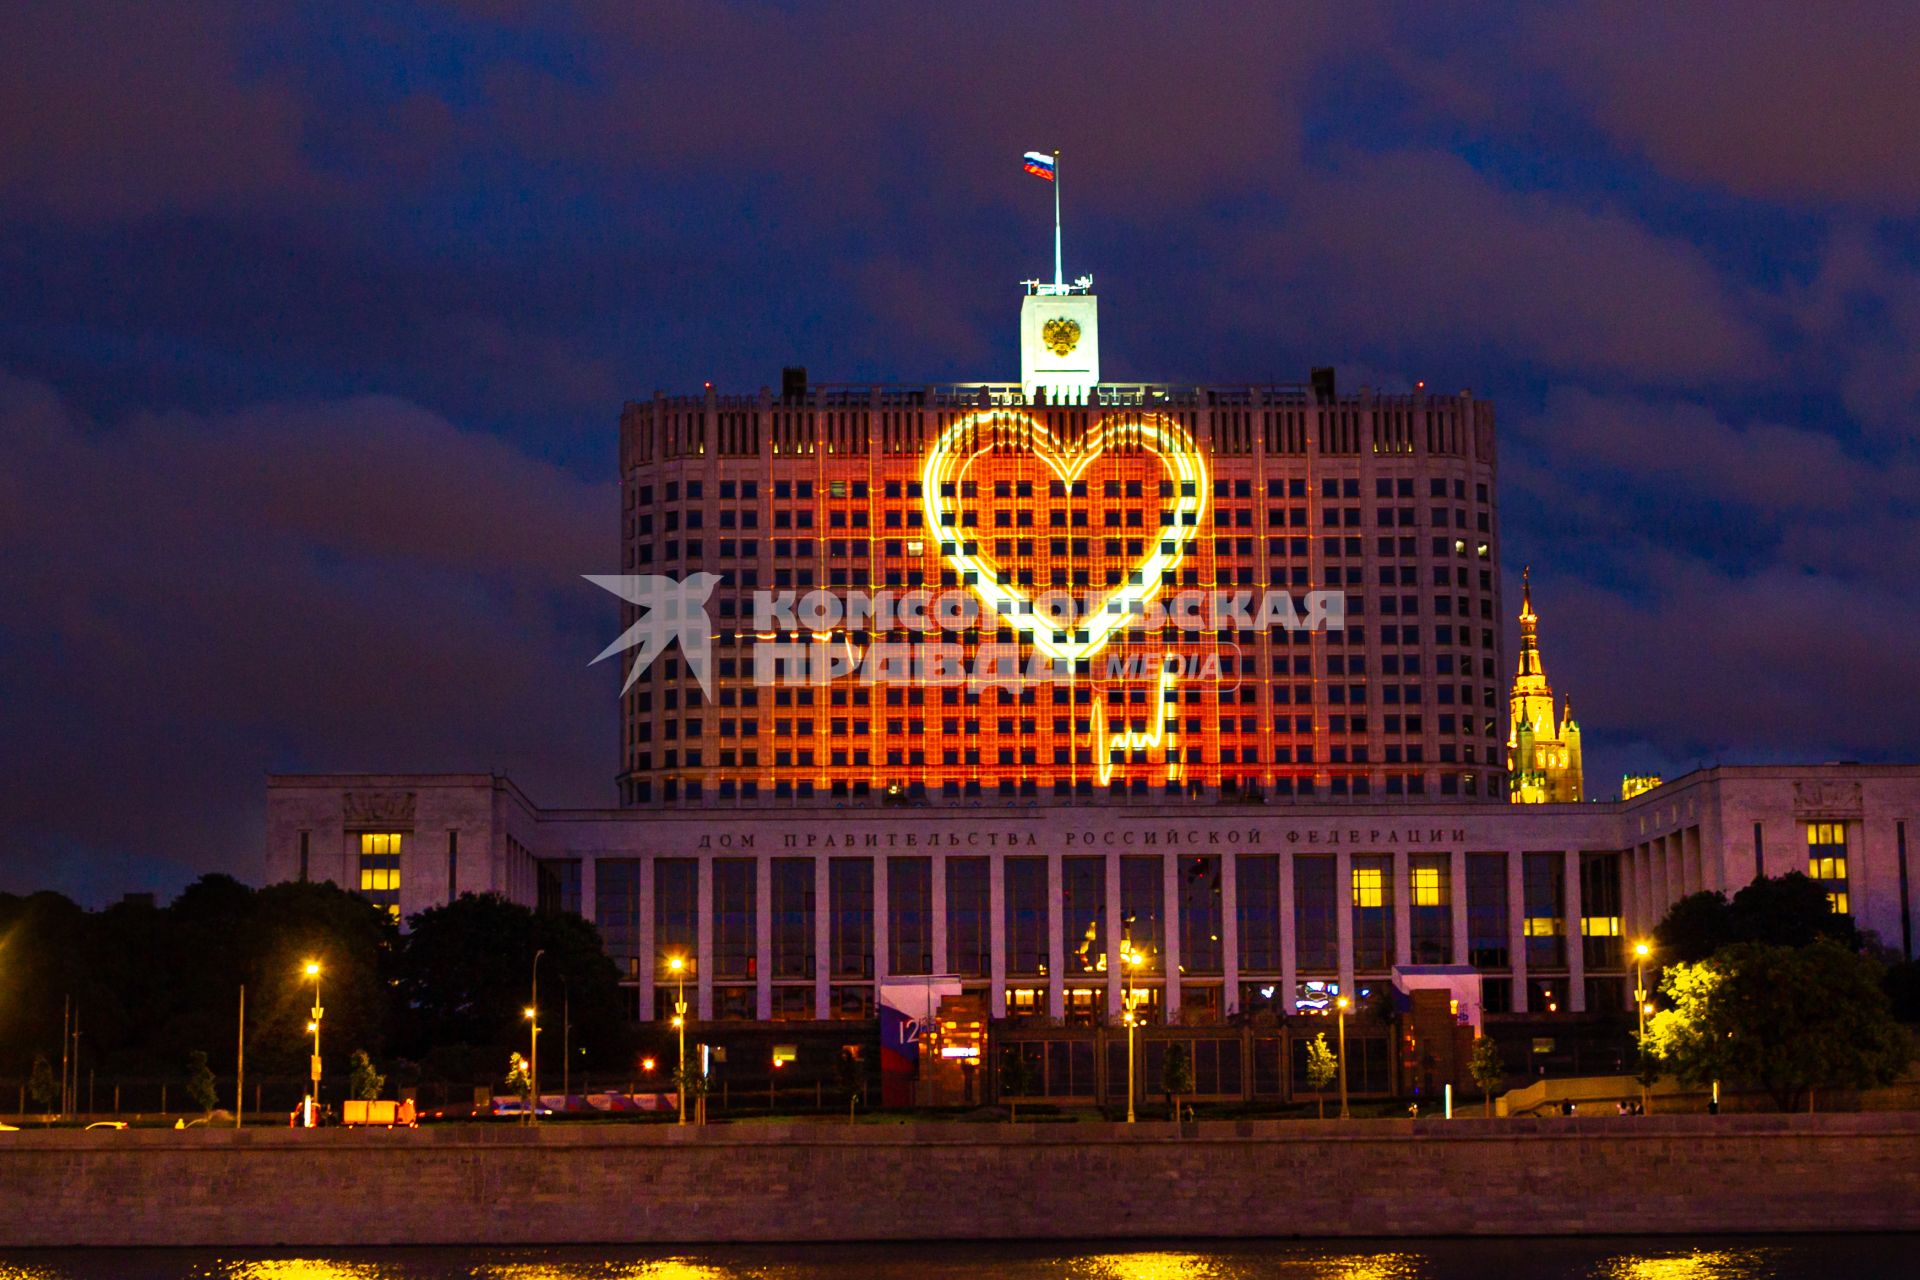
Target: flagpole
x,y
1059,276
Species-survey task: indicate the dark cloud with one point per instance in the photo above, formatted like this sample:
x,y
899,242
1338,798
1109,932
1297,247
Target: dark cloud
x,y
1813,104
196,601
112,111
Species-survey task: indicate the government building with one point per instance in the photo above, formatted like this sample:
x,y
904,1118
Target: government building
x,y
1228,842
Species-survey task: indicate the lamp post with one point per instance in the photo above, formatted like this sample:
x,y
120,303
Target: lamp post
x,y
1640,952
313,1099
1340,1014
533,1043
678,964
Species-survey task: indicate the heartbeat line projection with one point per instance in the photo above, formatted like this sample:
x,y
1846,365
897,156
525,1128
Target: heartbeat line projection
x,y
1152,738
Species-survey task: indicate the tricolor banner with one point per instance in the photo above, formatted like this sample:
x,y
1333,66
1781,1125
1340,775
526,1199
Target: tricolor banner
x,y
1039,164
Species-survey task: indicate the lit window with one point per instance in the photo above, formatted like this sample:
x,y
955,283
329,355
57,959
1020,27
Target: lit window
x,y
1368,887
1601,926
1427,888
1541,926
380,870
1827,861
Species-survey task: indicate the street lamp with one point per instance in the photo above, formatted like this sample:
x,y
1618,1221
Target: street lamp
x,y
1640,953
313,1099
1340,1013
678,965
533,1047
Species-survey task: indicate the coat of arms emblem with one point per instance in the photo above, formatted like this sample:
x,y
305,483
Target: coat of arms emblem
x,y
1060,336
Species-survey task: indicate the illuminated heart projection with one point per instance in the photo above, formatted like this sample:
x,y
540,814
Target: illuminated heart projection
x,y
949,458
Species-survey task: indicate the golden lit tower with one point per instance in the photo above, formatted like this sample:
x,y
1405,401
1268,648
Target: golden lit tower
x,y
1543,753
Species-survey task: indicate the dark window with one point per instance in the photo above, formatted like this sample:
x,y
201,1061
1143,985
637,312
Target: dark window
x,y
1257,903
968,905
792,920
1315,923
675,922
735,931
1142,895
1200,921
1544,877
616,911
1084,890
909,916
1026,903
850,889
1488,933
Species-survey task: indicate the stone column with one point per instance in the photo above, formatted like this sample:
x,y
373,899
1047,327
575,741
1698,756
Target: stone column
x,y
703,940
1056,941
1630,899
1516,926
1343,918
937,935
1289,951
647,1011
1116,967
1402,873
882,926
763,938
997,933
1170,932
589,906
1457,901
1229,933
822,938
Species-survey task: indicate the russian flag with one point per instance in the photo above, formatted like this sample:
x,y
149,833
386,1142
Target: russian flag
x,y
1039,164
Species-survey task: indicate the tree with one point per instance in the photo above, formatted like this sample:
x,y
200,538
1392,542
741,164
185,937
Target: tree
x,y
200,1088
520,1077
1902,985
1016,1078
688,1078
1786,1020
465,973
1176,1074
851,1073
1694,928
1487,1070
364,1083
1322,1066
40,1086
1781,911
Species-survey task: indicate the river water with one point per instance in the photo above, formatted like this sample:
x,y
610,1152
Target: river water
x,y
1858,1257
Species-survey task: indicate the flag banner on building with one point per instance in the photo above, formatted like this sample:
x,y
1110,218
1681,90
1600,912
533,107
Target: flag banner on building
x,y
1040,164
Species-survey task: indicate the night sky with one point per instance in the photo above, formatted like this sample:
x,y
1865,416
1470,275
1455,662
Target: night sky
x,y
315,322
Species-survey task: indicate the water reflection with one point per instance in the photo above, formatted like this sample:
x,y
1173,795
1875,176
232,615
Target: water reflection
x,y
1856,1257
1229,1263
1698,1264
659,1269
301,1269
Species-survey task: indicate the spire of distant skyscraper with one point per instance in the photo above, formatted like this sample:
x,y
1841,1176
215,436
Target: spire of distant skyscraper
x,y
1543,749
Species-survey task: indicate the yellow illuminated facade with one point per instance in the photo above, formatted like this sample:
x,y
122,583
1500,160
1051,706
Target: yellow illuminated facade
x,y
1827,861
380,870
1638,784
1543,751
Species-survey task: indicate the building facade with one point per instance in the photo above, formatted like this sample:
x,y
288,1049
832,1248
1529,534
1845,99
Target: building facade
x,y
1122,498
1239,910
